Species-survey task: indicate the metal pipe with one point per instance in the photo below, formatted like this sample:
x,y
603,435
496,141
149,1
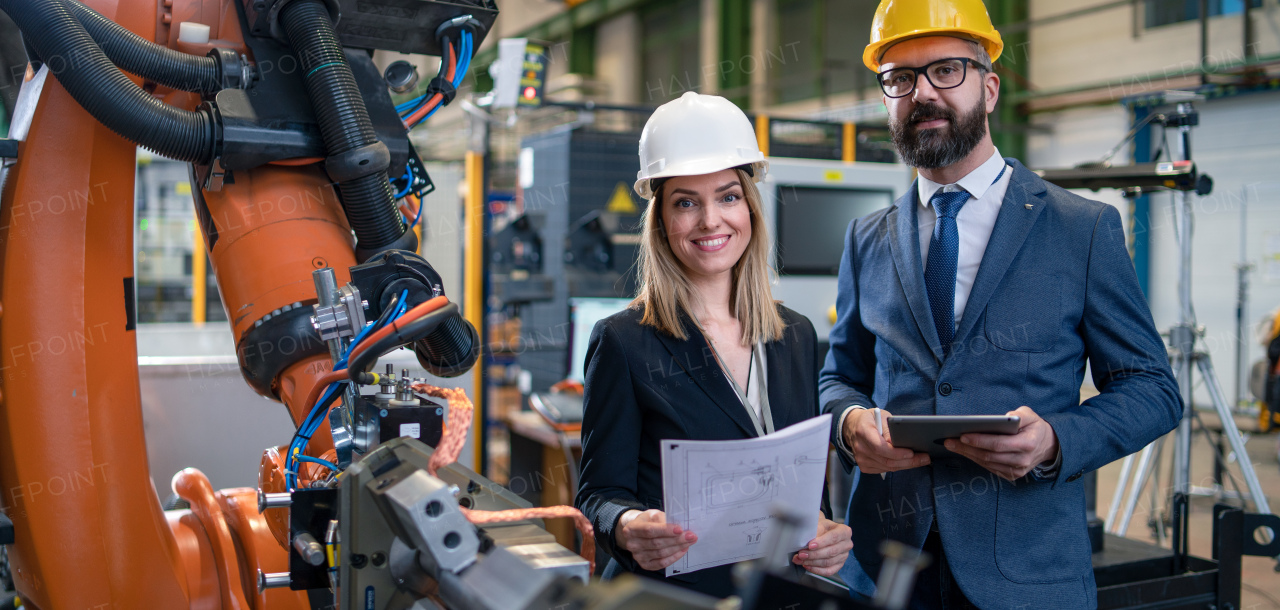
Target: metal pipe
x,y
278,500
274,580
1233,437
1246,21
1126,469
1023,26
1131,501
1204,41
1184,334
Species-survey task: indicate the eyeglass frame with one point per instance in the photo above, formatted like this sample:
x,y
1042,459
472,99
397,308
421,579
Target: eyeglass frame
x,y
965,61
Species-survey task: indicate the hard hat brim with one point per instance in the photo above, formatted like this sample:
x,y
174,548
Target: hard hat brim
x,y
699,167
992,42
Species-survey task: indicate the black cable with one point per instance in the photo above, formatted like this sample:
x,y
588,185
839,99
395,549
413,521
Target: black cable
x,y
400,335
137,55
104,91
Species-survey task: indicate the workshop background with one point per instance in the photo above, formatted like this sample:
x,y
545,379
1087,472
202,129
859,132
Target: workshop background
x,y
559,217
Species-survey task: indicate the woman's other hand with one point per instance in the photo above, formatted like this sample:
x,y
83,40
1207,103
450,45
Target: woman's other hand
x,y
825,554
654,543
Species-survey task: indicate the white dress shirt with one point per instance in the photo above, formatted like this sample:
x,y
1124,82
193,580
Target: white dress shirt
x,y
974,224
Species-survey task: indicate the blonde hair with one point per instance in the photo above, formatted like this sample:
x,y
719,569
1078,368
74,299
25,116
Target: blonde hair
x,y
665,291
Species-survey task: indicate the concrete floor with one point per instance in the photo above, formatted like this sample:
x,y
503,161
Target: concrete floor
x,y
1261,583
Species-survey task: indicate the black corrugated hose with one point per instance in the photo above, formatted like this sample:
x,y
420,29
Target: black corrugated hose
x,y
137,55
344,122
450,350
104,91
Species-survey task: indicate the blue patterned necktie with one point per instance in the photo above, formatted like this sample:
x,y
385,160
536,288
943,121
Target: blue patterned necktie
x,y
944,254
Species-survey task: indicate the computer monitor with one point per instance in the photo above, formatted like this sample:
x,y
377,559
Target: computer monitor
x,y
812,223
583,315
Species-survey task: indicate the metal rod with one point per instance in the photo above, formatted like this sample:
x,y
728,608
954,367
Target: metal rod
x,y
1233,434
1204,42
327,294
1126,468
1242,296
1184,335
275,580
1131,501
280,500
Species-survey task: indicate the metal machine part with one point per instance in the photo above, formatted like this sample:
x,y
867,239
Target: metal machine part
x,y
342,317
365,532
309,549
401,76
422,510
310,514
273,500
381,417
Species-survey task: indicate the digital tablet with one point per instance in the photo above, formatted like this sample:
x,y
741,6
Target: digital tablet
x,y
925,433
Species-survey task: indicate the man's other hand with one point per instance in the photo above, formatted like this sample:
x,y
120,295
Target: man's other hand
x,y
1011,456
873,451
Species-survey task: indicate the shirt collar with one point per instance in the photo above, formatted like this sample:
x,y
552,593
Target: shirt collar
x,y
976,182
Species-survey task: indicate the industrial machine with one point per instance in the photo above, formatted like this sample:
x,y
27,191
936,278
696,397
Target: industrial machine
x,y
299,167
298,161
808,205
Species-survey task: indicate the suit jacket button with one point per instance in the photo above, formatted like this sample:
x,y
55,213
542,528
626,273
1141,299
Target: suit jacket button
x,y
945,389
1074,477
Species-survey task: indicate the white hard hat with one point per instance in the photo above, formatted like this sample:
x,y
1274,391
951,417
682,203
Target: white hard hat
x,y
695,135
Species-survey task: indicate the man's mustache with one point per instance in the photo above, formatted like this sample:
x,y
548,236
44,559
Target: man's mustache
x,y
930,112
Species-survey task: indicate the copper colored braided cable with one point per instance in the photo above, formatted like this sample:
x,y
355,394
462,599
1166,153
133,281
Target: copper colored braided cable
x,y
481,517
450,447
455,432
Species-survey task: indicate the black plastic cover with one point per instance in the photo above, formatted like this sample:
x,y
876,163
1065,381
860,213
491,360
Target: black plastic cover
x,y
409,26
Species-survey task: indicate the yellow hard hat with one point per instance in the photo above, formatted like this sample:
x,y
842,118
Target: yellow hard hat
x,y
898,20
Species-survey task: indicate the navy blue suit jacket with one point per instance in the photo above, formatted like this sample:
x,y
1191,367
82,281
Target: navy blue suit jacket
x,y
643,386
1055,289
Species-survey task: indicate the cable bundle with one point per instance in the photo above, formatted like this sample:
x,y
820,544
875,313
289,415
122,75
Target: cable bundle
x,y
335,380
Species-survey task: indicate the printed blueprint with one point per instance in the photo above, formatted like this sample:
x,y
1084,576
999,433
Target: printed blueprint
x,y
724,491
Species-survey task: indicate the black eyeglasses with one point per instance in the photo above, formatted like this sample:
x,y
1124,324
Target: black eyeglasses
x,y
946,73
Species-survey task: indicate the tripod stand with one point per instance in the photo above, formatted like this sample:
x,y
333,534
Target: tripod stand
x,y
1186,360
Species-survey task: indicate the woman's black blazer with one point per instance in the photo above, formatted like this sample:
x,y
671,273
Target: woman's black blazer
x,y
644,386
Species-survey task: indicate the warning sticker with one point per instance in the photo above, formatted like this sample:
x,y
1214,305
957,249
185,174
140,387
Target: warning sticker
x,y
621,201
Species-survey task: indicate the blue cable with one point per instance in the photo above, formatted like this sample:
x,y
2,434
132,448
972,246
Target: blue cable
x,y
408,175
464,52
421,204
460,73
314,418
326,463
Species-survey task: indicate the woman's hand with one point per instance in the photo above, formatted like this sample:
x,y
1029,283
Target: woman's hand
x,y
651,541
825,554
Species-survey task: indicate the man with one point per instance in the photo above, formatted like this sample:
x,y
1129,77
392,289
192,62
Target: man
x,y
984,290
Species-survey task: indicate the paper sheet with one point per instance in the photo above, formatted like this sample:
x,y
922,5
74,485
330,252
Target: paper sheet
x,y
724,491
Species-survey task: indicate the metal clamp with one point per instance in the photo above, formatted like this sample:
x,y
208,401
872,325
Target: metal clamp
x,y
342,319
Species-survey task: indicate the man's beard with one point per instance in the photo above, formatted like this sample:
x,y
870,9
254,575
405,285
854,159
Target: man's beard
x,y
935,148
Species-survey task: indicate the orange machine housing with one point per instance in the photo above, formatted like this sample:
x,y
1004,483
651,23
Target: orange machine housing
x,y
73,467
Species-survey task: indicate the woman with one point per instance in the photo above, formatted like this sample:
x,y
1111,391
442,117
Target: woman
x,y
702,353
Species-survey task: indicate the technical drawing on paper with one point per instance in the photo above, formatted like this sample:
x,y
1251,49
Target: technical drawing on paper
x,y
751,484
727,491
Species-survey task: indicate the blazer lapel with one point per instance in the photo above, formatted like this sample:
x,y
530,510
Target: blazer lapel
x,y
779,363
1012,227
694,357
904,242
